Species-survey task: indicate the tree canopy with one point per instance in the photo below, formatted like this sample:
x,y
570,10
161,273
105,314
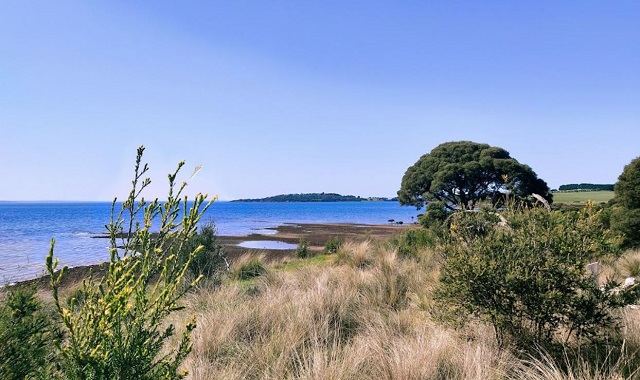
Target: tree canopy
x,y
462,173
625,216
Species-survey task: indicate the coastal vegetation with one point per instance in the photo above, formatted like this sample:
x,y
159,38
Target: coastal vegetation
x,y
28,335
316,197
114,327
369,313
625,214
515,291
525,275
461,174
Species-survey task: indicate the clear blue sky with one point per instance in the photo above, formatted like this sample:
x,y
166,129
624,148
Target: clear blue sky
x,y
291,96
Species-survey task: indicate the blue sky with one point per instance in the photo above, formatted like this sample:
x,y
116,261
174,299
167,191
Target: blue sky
x,y
276,97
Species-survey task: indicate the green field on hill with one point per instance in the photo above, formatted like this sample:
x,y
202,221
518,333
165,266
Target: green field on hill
x,y
582,196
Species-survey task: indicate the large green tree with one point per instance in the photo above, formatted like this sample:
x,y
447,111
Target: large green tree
x,y
625,217
462,173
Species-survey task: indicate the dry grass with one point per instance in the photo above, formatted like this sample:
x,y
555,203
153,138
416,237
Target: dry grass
x,y
631,327
576,367
364,315
248,266
361,318
629,264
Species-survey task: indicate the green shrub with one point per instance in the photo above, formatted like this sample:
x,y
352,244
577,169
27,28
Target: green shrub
x,y
626,222
435,215
469,225
625,215
303,249
528,278
333,245
211,261
27,333
412,241
117,328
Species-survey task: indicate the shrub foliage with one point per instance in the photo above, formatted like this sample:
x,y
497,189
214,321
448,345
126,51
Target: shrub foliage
x,y
27,333
528,278
333,245
115,327
625,217
211,262
303,251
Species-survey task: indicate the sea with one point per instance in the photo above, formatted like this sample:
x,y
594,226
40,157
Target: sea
x,y
27,228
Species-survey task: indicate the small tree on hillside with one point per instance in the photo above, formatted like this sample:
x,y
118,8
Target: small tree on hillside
x,y
625,216
463,173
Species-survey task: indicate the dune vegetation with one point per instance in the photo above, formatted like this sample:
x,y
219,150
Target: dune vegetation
x,y
525,292
369,312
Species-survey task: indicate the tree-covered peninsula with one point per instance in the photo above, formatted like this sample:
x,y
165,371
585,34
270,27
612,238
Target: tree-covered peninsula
x,y
315,197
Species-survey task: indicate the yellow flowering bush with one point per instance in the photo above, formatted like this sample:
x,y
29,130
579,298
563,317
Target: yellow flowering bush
x,y
115,326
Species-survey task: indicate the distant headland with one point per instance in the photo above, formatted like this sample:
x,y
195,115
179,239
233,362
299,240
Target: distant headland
x,y
317,197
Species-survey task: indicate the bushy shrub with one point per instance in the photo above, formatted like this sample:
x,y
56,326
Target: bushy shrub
x,y
627,223
117,328
412,241
528,278
435,215
211,261
469,225
27,335
625,215
303,249
333,245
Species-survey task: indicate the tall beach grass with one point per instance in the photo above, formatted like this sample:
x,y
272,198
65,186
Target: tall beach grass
x,y
366,316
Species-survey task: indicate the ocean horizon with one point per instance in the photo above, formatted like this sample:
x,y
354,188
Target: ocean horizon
x,y
27,227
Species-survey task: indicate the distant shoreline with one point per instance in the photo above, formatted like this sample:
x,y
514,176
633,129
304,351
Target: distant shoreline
x,y
316,197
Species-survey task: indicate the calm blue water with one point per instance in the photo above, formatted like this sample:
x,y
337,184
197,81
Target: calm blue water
x,y
26,228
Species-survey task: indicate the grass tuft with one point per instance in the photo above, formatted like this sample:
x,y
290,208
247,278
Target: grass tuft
x,y
247,267
629,264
